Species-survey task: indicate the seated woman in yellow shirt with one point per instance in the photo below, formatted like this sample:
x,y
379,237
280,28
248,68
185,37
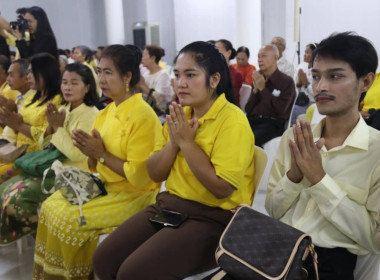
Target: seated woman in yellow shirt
x,y
124,135
30,122
21,195
206,158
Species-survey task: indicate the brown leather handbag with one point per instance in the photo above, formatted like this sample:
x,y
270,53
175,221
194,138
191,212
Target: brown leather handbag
x,y
256,246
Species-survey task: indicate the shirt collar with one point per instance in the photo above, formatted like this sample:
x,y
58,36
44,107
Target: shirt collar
x,y
212,113
129,102
358,138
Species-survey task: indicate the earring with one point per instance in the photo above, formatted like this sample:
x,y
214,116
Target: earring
x,y
127,87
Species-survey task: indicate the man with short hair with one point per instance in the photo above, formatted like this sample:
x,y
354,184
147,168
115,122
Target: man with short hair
x,y
272,97
283,64
325,180
17,80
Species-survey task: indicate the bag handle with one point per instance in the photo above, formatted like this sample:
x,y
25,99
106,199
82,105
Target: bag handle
x,y
219,275
44,191
314,255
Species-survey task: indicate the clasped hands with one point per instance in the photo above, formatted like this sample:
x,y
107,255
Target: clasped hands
x,y
54,117
306,160
181,131
8,114
258,81
90,145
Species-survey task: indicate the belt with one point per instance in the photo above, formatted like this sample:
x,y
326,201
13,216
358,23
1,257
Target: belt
x,y
258,117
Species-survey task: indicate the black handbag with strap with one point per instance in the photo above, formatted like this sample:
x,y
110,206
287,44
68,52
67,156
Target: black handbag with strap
x,y
256,246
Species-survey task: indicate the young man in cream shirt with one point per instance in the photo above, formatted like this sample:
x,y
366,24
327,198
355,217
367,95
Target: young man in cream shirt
x,y
326,178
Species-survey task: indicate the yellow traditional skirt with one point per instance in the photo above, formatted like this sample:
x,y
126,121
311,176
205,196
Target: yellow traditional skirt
x,y
64,249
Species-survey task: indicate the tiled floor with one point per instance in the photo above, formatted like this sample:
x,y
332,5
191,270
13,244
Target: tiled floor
x,y
14,266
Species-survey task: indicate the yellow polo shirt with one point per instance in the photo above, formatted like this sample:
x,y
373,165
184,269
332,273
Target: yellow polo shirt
x,y
129,131
372,98
225,136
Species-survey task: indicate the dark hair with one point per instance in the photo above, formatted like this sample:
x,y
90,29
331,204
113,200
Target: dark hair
x,y
24,64
5,63
86,51
349,47
155,51
61,52
312,46
126,59
211,42
101,48
21,11
228,46
91,98
46,66
43,24
208,57
244,50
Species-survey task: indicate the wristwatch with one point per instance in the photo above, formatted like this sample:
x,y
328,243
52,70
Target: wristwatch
x,y
102,158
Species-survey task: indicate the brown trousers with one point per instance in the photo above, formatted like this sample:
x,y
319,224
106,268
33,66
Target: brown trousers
x,y
140,249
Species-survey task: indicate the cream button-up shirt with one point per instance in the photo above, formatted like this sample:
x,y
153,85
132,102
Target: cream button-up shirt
x,y
342,210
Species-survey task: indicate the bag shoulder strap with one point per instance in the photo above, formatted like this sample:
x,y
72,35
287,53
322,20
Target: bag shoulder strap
x,y
219,275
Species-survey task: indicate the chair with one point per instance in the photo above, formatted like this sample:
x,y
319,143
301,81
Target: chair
x,y
245,93
367,267
261,160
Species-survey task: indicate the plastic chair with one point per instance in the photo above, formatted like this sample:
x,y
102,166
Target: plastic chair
x,y
261,160
367,267
245,93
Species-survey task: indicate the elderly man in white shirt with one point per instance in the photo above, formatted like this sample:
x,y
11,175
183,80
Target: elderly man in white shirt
x,y
325,180
283,65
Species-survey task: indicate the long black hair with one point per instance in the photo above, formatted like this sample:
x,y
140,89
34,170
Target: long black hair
x,y
228,47
92,97
208,57
46,67
43,24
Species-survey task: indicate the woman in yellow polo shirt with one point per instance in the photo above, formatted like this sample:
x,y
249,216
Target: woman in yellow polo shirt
x,y
206,158
124,135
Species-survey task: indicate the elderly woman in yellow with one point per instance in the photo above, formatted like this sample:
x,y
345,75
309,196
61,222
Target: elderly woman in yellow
x,y
124,136
21,195
206,155
30,122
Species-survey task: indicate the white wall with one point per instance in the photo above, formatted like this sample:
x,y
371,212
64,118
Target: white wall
x,y
321,18
238,21
248,26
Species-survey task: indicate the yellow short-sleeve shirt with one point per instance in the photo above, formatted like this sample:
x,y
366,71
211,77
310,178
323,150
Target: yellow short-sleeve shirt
x,y
225,136
129,131
372,98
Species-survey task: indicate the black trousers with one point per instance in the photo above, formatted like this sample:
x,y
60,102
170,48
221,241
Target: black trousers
x,y
266,129
333,264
